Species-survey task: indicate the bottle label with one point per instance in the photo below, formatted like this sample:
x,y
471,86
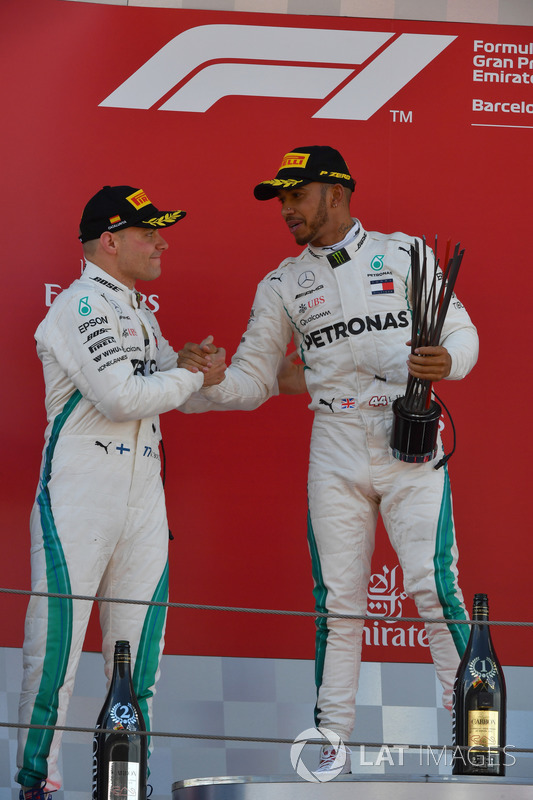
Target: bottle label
x,y
483,728
483,670
123,780
124,716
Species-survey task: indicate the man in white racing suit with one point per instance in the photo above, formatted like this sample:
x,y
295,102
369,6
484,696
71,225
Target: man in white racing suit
x,y
99,522
346,302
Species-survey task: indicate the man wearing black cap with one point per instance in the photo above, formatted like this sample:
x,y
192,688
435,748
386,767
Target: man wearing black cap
x,y
346,302
99,522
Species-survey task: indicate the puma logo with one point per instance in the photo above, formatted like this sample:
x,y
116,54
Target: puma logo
x,y
329,405
105,446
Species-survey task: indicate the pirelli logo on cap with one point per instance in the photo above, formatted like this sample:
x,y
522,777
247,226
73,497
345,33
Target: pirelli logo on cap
x,y
138,199
294,160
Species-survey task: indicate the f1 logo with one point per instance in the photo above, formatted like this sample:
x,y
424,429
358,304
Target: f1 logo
x,y
393,60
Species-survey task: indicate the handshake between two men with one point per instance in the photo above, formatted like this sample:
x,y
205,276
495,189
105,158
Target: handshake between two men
x,y
206,357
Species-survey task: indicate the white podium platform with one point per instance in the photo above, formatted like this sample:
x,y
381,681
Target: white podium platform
x,y
354,787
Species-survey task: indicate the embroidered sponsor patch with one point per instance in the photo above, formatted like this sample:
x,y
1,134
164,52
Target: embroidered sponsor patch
x,y
138,199
294,160
347,403
385,286
338,257
84,309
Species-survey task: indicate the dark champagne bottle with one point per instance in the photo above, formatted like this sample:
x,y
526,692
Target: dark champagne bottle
x,y
119,758
479,702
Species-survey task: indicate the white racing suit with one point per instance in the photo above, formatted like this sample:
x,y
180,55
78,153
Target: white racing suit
x,y
350,317
99,522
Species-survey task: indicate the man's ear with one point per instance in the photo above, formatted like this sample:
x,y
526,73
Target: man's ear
x,y
337,194
108,242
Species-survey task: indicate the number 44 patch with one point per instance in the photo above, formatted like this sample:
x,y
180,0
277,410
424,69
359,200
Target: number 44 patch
x,y
379,400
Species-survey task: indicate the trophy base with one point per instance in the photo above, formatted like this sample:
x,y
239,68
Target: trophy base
x,y
414,435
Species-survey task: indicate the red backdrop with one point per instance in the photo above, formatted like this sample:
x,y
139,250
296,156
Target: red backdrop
x,y
427,161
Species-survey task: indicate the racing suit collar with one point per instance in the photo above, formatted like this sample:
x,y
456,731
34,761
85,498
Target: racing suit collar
x,y
103,280
353,239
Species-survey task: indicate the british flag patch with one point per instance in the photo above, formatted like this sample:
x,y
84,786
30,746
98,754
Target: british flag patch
x,y
347,402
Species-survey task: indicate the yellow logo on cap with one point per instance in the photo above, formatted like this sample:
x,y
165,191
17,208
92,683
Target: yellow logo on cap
x,y
139,199
342,175
282,183
166,219
294,160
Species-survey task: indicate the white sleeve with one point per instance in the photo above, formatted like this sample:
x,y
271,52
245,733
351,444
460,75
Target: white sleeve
x,y
252,376
112,387
459,335
460,338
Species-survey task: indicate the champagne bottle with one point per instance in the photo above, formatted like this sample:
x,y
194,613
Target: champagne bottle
x,y
479,702
119,758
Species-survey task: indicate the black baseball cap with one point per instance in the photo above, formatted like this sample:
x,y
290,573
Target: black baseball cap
x,y
116,207
307,165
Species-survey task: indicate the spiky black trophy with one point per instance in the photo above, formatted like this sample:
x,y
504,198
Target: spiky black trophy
x,y
416,415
